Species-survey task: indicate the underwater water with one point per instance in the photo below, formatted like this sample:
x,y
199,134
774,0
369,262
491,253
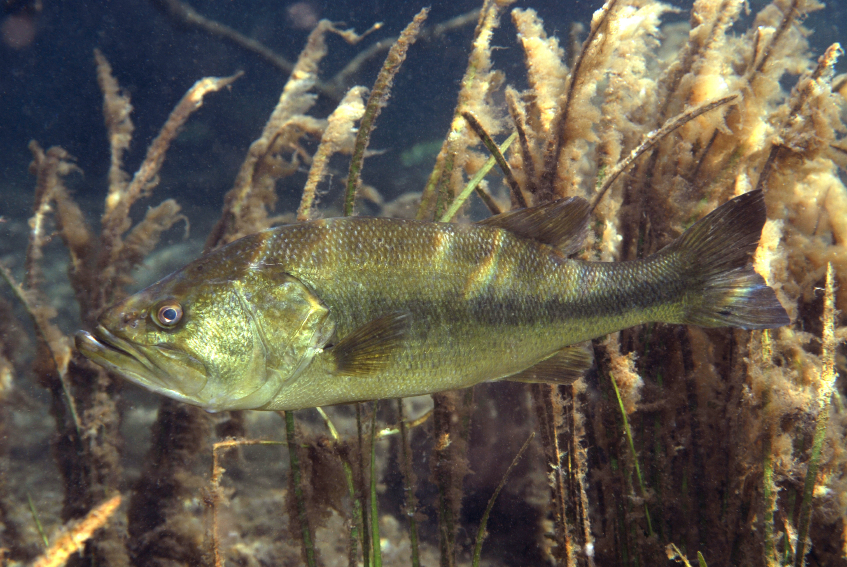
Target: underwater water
x,y
726,442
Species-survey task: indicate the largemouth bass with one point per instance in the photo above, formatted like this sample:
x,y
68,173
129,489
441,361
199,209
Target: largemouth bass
x,y
350,309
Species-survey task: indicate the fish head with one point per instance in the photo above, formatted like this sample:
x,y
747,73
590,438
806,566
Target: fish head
x,y
221,343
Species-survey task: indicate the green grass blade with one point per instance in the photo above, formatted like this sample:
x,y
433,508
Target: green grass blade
x,y
356,524
769,491
38,525
300,501
362,509
475,181
825,388
480,534
408,484
374,504
498,156
769,488
632,450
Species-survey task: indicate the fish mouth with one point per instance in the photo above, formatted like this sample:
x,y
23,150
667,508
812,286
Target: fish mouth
x,y
123,357
105,347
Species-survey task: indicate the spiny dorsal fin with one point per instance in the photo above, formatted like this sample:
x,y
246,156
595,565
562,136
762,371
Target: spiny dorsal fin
x,y
369,348
562,224
564,367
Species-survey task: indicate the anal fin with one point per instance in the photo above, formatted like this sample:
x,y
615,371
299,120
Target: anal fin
x,y
563,367
369,348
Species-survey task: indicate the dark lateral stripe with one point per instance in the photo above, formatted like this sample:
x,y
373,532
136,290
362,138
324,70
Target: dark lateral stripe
x,y
510,311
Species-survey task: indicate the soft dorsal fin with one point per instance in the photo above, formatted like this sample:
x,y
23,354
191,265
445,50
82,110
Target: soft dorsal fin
x,y
564,367
562,224
369,348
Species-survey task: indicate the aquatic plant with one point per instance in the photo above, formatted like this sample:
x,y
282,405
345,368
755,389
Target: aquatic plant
x,y
722,443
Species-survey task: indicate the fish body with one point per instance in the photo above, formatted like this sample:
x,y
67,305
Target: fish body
x,y
349,309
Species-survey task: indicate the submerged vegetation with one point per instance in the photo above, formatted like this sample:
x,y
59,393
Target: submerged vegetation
x,y
721,444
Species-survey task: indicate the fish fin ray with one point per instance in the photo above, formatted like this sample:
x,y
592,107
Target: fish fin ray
x,y
562,224
565,366
369,348
716,253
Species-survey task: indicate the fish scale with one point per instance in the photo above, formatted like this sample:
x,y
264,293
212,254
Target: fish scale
x,y
349,309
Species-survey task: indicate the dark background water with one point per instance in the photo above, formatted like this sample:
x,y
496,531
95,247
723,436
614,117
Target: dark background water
x,y
49,91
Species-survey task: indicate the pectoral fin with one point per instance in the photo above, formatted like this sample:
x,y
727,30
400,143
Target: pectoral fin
x,y
564,367
369,348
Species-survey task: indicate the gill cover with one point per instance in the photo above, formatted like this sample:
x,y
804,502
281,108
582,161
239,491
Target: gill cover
x,y
290,326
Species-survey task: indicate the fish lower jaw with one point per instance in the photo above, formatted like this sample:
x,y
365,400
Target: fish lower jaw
x,y
105,349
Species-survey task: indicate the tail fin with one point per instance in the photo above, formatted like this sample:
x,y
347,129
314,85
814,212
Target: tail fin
x,y
724,288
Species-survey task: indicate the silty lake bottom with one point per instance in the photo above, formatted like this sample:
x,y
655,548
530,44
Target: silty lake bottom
x,y
723,442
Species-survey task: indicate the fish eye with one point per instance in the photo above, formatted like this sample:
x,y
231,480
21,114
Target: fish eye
x,y
169,314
